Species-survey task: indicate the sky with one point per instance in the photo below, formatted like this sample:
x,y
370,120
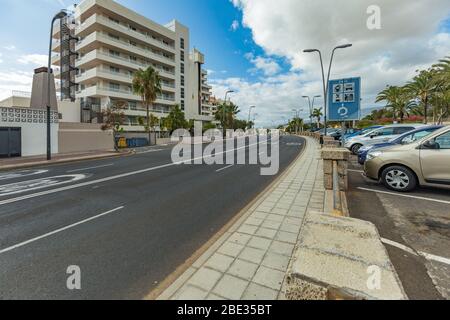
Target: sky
x,y
254,47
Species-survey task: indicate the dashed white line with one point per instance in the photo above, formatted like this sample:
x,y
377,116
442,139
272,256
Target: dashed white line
x,y
224,168
58,231
404,195
90,168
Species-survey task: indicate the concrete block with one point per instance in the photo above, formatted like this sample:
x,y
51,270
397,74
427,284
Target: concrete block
x,y
328,181
335,154
328,166
333,259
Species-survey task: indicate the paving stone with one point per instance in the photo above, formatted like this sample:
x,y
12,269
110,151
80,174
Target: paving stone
x,y
286,237
254,221
290,228
230,249
252,254
230,287
275,217
219,262
205,278
271,224
269,277
239,238
279,211
282,248
243,269
258,292
276,261
266,233
248,229
190,293
259,243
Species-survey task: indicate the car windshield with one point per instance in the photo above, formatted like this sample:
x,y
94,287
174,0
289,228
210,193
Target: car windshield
x,y
413,137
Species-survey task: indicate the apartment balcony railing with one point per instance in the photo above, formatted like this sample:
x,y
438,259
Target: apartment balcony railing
x,y
129,47
129,92
136,34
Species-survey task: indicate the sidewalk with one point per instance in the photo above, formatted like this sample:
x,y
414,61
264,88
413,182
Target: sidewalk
x,y
25,162
250,260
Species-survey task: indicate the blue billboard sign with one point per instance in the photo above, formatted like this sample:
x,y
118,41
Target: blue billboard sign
x,y
344,99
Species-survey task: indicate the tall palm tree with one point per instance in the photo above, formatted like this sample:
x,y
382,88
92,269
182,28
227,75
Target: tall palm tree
x,y
397,99
147,84
317,113
422,87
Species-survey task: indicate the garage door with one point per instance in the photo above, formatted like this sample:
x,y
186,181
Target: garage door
x,y
10,142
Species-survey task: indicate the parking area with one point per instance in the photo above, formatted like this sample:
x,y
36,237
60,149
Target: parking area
x,y
415,228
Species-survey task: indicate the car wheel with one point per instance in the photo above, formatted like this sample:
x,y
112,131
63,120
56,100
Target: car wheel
x,y
355,148
399,178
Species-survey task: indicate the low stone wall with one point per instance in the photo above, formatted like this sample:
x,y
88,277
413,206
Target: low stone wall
x,y
83,137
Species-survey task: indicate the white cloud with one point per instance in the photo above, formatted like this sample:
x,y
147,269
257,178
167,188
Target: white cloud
x,y
1,60
36,59
408,40
235,25
267,65
10,47
14,80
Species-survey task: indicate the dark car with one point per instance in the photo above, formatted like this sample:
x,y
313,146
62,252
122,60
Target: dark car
x,y
403,139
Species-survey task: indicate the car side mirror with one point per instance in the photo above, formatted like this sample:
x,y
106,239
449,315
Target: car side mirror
x,y
430,144
373,136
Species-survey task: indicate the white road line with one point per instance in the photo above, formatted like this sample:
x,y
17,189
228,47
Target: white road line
x,y
90,168
399,246
416,253
405,195
224,168
21,174
57,231
150,151
123,175
358,171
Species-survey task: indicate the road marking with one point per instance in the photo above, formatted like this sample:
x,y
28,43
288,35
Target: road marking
x,y
151,151
90,168
30,185
224,168
405,195
58,231
399,246
21,174
416,253
123,175
358,171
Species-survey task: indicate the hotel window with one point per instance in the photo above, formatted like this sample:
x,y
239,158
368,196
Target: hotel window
x,y
182,55
133,58
114,53
182,80
113,36
182,93
132,105
182,105
182,43
114,86
114,20
134,44
114,69
182,67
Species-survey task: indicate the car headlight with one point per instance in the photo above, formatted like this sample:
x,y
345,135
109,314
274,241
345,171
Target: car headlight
x,y
373,155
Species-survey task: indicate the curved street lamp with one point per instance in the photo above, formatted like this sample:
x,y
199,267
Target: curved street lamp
x,y
325,84
60,15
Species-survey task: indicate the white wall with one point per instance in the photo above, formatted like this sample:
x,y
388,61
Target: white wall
x,y
34,133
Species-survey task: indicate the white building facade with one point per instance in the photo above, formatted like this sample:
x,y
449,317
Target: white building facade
x,y
115,42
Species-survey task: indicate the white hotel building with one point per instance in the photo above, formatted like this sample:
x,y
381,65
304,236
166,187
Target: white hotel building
x,y
114,42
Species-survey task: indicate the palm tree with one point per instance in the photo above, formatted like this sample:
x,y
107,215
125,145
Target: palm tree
x,y
147,84
317,113
397,99
422,87
230,110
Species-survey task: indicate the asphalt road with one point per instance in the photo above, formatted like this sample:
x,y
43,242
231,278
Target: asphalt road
x,y
127,222
413,223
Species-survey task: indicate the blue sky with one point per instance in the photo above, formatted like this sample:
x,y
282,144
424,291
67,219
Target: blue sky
x,y
261,58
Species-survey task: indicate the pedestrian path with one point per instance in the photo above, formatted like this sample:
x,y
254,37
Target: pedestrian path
x,y
249,262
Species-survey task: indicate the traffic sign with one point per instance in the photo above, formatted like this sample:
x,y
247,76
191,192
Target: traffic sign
x,y
344,99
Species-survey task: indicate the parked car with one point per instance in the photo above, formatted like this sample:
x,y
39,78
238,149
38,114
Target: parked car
x,y
406,138
425,162
383,134
360,132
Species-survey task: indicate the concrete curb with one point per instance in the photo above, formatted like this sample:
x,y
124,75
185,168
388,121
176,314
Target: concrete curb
x,y
335,259
62,161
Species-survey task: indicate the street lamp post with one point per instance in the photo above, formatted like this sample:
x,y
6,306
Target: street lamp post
x,y
325,84
223,111
311,107
249,112
58,16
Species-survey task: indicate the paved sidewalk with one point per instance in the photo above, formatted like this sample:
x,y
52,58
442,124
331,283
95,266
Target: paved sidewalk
x,y
24,162
250,261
